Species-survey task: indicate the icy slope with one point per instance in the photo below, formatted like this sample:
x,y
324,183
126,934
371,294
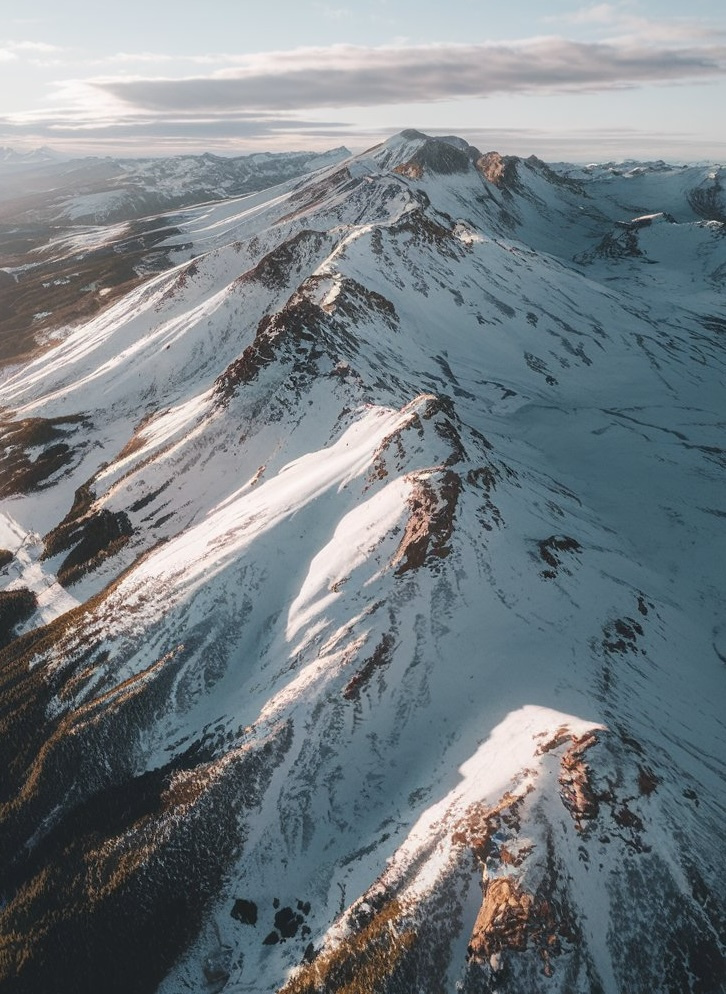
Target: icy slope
x,y
380,557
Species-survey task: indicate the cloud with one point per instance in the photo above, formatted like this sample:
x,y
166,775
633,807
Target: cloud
x,y
347,75
274,98
594,144
29,47
601,13
142,136
619,25
12,51
335,13
40,47
202,127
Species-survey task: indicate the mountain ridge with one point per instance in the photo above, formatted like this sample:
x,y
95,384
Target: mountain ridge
x,y
393,603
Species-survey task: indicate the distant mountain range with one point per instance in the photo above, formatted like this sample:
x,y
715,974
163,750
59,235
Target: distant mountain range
x,y
362,556
95,190
30,157
48,206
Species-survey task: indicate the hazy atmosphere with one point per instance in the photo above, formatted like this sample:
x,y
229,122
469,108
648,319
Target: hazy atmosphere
x,y
563,80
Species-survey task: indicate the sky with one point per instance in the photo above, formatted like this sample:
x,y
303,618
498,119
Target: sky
x,y
565,80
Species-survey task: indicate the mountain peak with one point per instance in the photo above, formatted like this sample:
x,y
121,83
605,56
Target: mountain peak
x,y
412,152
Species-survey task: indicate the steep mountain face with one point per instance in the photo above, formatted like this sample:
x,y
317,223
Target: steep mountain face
x,y
363,585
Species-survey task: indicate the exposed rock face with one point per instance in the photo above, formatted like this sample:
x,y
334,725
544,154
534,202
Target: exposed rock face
x,y
501,170
294,325
481,824
431,521
616,245
380,657
549,549
280,267
575,786
442,158
411,170
510,918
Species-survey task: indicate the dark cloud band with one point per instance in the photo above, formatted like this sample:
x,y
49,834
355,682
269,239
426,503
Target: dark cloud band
x,y
363,77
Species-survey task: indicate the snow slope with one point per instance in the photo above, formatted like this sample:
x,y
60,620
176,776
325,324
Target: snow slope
x,y
379,548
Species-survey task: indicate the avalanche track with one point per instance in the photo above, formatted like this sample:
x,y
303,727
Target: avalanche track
x,y
362,594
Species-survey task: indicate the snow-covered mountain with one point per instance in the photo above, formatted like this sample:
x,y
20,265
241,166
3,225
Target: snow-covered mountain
x,y
76,234
13,157
96,190
363,592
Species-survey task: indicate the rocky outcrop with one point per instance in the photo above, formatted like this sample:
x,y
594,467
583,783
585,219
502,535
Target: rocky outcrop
x,y
432,511
477,830
294,324
411,170
380,657
501,170
509,920
441,157
576,789
549,549
284,265
34,451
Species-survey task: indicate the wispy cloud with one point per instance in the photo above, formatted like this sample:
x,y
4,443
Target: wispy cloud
x,y
36,47
337,13
348,75
81,112
28,47
619,23
28,51
599,13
